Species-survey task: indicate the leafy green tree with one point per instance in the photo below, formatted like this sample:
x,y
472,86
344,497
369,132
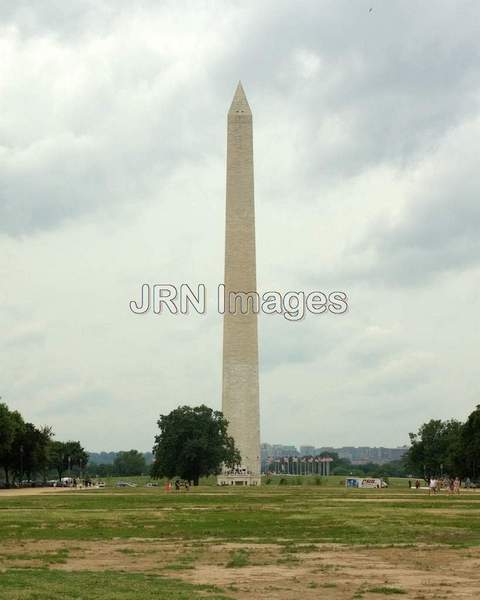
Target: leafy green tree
x,y
129,463
6,437
193,442
44,434
77,456
454,459
11,426
26,450
29,451
56,457
436,448
470,444
67,457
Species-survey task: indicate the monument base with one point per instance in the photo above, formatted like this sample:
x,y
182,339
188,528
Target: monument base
x,y
238,479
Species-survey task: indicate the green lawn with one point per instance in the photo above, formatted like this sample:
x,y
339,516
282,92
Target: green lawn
x,y
268,514
41,584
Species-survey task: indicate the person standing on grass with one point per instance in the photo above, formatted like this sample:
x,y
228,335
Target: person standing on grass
x,y
417,484
456,486
432,486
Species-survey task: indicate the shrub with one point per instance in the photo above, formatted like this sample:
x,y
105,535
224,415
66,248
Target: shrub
x,y
238,558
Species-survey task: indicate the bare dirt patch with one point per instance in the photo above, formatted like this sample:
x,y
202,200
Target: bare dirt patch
x,y
270,571
33,491
340,572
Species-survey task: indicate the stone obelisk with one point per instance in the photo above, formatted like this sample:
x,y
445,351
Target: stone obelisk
x,y
240,397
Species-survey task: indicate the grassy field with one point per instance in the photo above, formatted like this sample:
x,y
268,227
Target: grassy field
x,y
276,541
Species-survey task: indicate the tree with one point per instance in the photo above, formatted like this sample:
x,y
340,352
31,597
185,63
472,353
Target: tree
x,y
29,451
129,463
65,456
11,426
454,459
45,437
470,443
436,448
77,456
26,450
193,442
6,437
56,457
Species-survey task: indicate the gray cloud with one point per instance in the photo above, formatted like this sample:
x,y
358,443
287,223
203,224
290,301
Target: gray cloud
x,y
437,232
362,88
112,154
111,113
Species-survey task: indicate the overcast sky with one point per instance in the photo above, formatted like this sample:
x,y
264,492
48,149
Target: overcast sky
x,y
112,174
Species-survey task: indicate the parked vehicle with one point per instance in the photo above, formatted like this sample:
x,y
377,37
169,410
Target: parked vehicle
x,y
365,482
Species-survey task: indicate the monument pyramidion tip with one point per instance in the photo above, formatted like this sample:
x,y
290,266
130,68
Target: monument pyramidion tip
x,y
239,103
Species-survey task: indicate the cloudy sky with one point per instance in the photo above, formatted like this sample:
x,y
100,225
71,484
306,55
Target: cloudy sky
x,y
112,174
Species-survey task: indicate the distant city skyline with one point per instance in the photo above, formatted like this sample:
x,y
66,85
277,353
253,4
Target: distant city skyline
x,y
355,454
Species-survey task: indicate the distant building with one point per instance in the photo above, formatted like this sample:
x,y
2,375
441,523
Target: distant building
x,y
356,455
367,454
277,451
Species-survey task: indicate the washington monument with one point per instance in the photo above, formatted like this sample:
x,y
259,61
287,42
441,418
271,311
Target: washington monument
x,y
240,395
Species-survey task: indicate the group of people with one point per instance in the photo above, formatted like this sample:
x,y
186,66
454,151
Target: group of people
x,y
436,484
178,485
448,483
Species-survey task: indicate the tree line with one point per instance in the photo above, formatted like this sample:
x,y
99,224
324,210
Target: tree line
x,y
128,463
194,442
28,452
344,467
